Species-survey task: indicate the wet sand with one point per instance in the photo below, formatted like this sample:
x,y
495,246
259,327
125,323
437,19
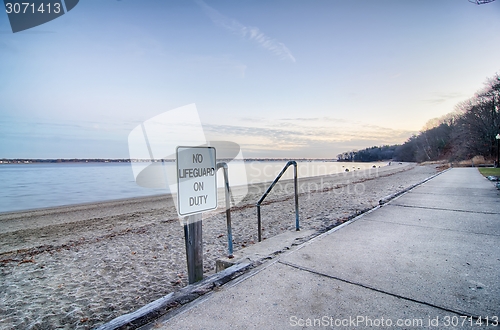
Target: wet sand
x,y
80,266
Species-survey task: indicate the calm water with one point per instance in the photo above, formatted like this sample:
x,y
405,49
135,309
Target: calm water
x,y
29,186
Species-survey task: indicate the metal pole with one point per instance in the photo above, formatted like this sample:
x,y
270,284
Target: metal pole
x,y
259,226
227,192
498,152
194,247
297,227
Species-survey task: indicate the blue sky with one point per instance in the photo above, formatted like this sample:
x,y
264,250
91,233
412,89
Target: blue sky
x,y
281,78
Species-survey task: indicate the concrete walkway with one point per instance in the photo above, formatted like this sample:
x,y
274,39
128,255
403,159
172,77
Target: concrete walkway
x,y
423,260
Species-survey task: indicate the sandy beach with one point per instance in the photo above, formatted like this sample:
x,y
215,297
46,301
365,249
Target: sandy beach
x,y
80,266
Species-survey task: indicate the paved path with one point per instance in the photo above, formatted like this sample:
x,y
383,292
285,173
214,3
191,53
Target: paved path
x,y
421,261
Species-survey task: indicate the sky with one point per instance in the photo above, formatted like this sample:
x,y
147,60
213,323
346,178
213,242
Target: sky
x,y
284,79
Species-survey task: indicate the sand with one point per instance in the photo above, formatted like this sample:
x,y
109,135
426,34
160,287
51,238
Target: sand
x,y
78,267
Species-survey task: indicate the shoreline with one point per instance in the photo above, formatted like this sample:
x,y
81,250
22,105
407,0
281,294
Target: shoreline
x,y
74,207
139,199
92,192
81,266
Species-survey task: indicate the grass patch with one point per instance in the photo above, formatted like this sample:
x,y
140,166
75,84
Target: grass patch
x,y
487,171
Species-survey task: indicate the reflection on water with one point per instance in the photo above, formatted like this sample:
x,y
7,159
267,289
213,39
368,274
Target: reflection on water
x,y
29,186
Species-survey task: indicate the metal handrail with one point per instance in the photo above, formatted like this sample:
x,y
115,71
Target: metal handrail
x,y
228,209
259,224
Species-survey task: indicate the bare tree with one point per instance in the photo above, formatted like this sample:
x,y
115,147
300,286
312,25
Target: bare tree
x,y
475,129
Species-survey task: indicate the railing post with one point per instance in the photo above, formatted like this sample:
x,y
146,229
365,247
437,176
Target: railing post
x,y
259,225
227,192
297,227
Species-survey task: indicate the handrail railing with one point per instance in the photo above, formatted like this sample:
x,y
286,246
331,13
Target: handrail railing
x,y
259,224
228,209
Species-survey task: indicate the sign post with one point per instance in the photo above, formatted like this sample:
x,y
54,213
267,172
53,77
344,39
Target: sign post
x,y
194,247
196,193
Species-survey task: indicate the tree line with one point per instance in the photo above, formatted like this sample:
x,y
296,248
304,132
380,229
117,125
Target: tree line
x,y
468,131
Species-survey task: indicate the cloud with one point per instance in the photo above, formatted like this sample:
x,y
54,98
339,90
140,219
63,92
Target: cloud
x,y
304,137
247,32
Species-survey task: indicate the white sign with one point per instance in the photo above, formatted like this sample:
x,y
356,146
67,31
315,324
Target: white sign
x,y
196,180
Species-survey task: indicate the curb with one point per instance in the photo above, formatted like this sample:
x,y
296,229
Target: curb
x,y
160,307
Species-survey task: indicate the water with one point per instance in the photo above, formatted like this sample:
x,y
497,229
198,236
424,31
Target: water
x,y
31,186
